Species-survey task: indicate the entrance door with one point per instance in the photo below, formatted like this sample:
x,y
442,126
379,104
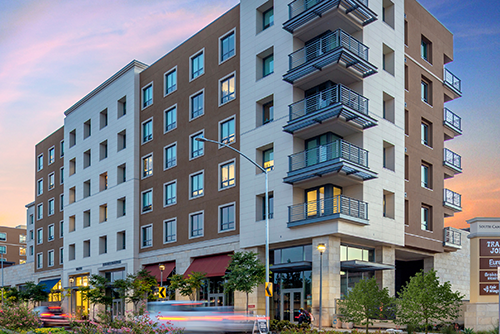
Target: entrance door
x,y
117,307
291,302
216,299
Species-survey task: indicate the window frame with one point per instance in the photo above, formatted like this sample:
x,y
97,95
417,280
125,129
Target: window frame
x,y
39,237
39,260
165,81
39,217
61,202
221,81
165,229
149,226
39,186
221,165
191,97
165,185
150,137
146,86
61,229
61,148
61,255
219,220
165,112
171,145
271,22
147,156
190,222
142,200
428,222
191,140
61,175
226,120
221,38
53,201
428,171
264,75
53,175
270,168
48,258
193,56
53,149
39,162
201,172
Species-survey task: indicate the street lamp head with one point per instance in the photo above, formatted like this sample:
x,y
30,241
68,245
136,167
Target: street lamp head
x,y
321,248
200,139
162,267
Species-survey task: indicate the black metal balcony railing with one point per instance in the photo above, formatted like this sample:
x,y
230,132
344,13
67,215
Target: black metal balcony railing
x,y
327,207
326,44
338,149
452,81
452,159
452,199
452,120
301,12
452,237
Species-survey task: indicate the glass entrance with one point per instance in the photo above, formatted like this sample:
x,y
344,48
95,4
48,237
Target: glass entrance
x,y
292,301
117,307
216,299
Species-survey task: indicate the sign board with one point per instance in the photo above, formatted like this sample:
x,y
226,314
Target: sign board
x,y
488,289
488,276
162,292
251,306
489,263
261,325
269,289
489,247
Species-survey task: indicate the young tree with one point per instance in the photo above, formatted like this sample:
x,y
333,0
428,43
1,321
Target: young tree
x,y
33,292
425,300
365,302
189,286
95,293
244,273
136,288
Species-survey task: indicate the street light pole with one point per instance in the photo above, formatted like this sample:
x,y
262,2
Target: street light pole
x,y
266,206
162,267
2,277
321,249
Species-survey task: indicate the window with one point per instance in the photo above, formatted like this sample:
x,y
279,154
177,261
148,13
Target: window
x,y
197,105
51,233
147,236
227,175
121,143
425,88
72,195
87,129
227,89
407,122
39,260
171,156
61,147
196,146
51,207
147,166
86,218
268,159
22,239
196,185
121,240
425,216
388,12
388,156
22,251
31,219
426,50
268,18
103,244
103,150
227,47
388,59
86,189
268,112
103,118
51,181
87,159
39,162
407,79
196,225
39,236
86,248
39,211
103,181
406,32
61,202
170,230
39,187
3,236
388,107
72,223
426,132
147,96
226,218
52,155
407,167
121,174
170,193
71,252
388,204
61,255
271,206
170,119
61,176
31,250
171,81
31,237
103,213
72,166
147,131
197,65
227,131
121,207
147,201
122,107
425,172
72,138
61,229
268,65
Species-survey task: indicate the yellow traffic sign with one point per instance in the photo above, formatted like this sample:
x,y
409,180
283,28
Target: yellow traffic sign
x,y
269,289
162,292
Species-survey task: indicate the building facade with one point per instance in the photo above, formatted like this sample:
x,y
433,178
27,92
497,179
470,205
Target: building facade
x,y
13,245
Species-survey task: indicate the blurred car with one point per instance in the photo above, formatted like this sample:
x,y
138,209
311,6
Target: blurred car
x,y
52,316
198,317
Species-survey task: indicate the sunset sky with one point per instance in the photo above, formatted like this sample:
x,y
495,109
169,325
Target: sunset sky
x,y
52,53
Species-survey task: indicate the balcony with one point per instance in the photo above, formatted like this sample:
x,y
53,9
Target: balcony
x,y
303,12
453,161
327,105
337,207
333,48
338,156
453,83
452,122
452,238
452,200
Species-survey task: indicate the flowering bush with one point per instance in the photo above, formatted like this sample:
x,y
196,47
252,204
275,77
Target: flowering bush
x,y
18,317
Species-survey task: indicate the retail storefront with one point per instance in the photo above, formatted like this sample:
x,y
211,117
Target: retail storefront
x,y
53,287
79,306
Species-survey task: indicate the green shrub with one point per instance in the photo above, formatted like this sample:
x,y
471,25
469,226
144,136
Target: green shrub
x,y
18,318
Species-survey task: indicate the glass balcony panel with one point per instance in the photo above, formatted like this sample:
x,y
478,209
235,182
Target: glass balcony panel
x,y
452,160
328,207
452,237
452,200
452,120
453,82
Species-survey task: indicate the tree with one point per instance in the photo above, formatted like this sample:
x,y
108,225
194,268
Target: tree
x,y
188,287
365,302
136,287
33,292
425,300
244,273
95,293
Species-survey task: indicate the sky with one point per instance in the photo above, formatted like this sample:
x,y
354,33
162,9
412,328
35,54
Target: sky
x,y
54,52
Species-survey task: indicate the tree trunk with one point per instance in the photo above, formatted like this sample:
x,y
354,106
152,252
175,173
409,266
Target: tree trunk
x,y
367,323
426,326
247,303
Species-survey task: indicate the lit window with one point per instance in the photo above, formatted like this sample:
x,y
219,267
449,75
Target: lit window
x,y
147,166
268,18
227,175
22,238
197,65
51,181
22,251
268,65
52,155
227,47
227,92
196,225
196,146
170,119
197,105
171,193
268,159
3,236
147,131
147,96
147,201
170,227
171,156
227,133
147,236
196,185
227,218
170,82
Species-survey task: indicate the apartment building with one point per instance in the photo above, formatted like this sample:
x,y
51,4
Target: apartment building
x,y
189,190
13,245
101,182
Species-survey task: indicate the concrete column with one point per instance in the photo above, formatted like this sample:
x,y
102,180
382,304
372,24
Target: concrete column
x,y
428,263
331,278
386,278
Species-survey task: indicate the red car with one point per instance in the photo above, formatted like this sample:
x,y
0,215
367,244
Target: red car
x,y
52,316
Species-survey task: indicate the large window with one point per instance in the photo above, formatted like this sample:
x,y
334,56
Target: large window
x,y
197,105
227,47
426,131
147,201
268,18
426,175
350,253
39,211
196,225
268,159
147,166
171,193
50,254
39,260
39,236
147,96
147,131
39,162
227,89
39,187
197,65
227,131
226,216
170,229
171,81
425,212
147,236
51,207
52,155
170,119
268,65
52,181
426,49
196,182
196,146
3,236
268,112
171,156
227,175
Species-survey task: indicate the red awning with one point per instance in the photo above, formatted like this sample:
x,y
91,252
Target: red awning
x,y
212,266
154,269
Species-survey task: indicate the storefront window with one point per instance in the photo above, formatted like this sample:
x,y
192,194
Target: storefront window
x,y
55,293
349,279
292,254
212,291
350,253
79,305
